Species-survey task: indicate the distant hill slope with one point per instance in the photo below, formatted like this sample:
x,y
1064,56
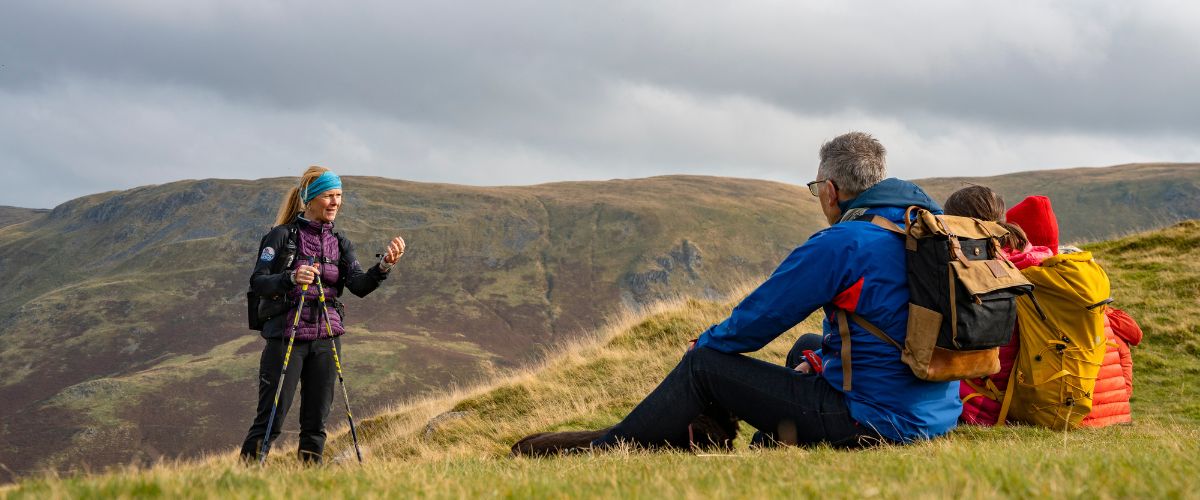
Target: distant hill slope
x,y
1095,204
456,445
124,339
13,215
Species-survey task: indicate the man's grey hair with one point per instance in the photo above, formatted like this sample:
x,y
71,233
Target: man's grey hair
x,y
854,161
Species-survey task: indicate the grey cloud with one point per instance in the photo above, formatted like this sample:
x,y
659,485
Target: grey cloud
x,y
1068,65
523,91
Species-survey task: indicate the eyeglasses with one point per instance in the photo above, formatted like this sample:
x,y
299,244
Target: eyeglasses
x,y
814,187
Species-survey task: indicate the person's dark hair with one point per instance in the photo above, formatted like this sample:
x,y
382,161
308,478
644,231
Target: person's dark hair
x,y
982,203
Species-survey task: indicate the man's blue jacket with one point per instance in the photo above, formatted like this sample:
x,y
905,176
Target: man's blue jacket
x,y
861,268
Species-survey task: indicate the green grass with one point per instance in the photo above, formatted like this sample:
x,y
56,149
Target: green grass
x,y
1156,278
1122,462
593,382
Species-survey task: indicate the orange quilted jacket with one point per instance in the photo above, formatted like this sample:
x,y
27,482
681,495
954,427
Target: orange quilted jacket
x,y
1114,387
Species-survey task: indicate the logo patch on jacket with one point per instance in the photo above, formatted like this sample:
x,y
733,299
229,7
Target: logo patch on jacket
x,y
268,255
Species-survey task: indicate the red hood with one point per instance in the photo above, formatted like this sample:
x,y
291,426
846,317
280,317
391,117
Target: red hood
x,y
1035,215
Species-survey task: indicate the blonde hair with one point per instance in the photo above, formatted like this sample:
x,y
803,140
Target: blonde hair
x,y
292,204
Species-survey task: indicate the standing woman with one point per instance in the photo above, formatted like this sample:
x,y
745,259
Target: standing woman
x,y
301,247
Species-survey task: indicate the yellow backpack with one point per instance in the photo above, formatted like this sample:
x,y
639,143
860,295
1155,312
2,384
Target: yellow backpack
x,y
1062,342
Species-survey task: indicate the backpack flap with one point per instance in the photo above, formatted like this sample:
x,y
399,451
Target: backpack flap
x,y
983,306
928,225
982,277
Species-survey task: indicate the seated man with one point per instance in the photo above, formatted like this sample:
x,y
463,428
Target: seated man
x,y
854,265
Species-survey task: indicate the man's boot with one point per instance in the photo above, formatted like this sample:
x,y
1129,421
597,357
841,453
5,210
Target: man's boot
x,y
715,429
556,443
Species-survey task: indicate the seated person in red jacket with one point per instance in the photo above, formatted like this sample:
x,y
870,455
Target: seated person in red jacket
x,y
1034,219
982,396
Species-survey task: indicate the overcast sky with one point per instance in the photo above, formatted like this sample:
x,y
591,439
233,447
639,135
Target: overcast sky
x,y
104,95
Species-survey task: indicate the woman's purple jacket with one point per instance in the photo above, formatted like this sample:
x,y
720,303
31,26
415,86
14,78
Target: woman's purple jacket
x,y
340,269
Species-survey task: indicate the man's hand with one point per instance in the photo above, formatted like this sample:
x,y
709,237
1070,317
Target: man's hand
x,y
804,367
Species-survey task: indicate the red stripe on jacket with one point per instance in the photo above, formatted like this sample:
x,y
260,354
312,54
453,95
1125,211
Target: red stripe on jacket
x,y
848,299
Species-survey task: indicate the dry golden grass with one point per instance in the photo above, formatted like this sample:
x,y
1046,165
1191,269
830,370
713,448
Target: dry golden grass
x,y
590,383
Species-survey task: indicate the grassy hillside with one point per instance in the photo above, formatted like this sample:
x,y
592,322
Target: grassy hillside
x,y
591,383
122,337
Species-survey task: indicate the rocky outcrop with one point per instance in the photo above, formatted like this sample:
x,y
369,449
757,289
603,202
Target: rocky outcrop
x,y
682,262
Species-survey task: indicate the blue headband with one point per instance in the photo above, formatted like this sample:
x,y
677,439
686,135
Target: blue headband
x,y
325,182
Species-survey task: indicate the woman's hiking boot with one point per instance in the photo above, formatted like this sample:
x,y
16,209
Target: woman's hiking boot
x,y
308,457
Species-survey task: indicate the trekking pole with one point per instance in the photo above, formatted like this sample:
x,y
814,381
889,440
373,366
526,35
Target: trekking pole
x,y
338,364
287,356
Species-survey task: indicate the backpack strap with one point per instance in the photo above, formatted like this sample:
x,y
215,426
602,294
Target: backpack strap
x,y
881,222
951,293
910,243
844,333
874,330
971,396
342,242
1008,394
290,247
988,391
